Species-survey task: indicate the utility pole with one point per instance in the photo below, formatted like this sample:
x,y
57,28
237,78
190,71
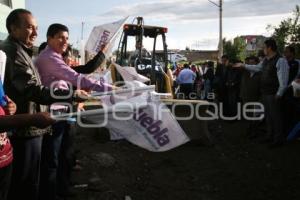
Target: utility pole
x,y
221,30
82,51
82,26
220,46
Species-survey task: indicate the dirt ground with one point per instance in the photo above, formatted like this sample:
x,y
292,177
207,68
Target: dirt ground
x,y
233,168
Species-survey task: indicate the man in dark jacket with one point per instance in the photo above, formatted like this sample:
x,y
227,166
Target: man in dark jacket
x,y
233,89
220,79
274,79
226,83
250,92
23,85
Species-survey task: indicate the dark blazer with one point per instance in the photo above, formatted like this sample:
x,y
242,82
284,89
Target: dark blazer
x,y
92,65
23,85
209,74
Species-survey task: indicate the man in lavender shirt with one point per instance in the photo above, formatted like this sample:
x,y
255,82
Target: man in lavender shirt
x,y
52,67
56,73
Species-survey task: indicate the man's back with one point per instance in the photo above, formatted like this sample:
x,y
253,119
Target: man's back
x,y
186,76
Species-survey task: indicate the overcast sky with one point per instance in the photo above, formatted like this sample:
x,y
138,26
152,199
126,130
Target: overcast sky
x,y
191,23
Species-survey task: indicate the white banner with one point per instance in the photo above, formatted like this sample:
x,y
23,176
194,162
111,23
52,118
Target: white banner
x,y
102,35
141,118
152,127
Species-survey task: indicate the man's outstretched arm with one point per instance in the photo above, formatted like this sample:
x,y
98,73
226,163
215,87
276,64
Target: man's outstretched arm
x,y
40,120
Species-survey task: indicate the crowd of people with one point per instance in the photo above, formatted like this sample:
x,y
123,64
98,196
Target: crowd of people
x,y
35,161
193,81
264,79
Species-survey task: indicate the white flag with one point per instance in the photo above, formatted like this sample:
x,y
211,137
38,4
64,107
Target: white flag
x,y
102,35
148,123
2,65
152,127
130,74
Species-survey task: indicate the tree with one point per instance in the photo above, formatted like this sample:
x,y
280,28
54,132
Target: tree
x,y
236,49
288,31
240,45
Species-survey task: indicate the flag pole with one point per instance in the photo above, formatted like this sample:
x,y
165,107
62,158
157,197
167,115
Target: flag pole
x,y
117,108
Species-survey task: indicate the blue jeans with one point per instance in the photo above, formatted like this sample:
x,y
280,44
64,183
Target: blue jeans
x,y
207,88
26,168
50,160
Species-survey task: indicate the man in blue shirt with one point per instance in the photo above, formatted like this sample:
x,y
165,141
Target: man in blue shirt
x,y
186,80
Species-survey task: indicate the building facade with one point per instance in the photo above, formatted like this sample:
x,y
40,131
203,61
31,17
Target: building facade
x,y
253,42
6,6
